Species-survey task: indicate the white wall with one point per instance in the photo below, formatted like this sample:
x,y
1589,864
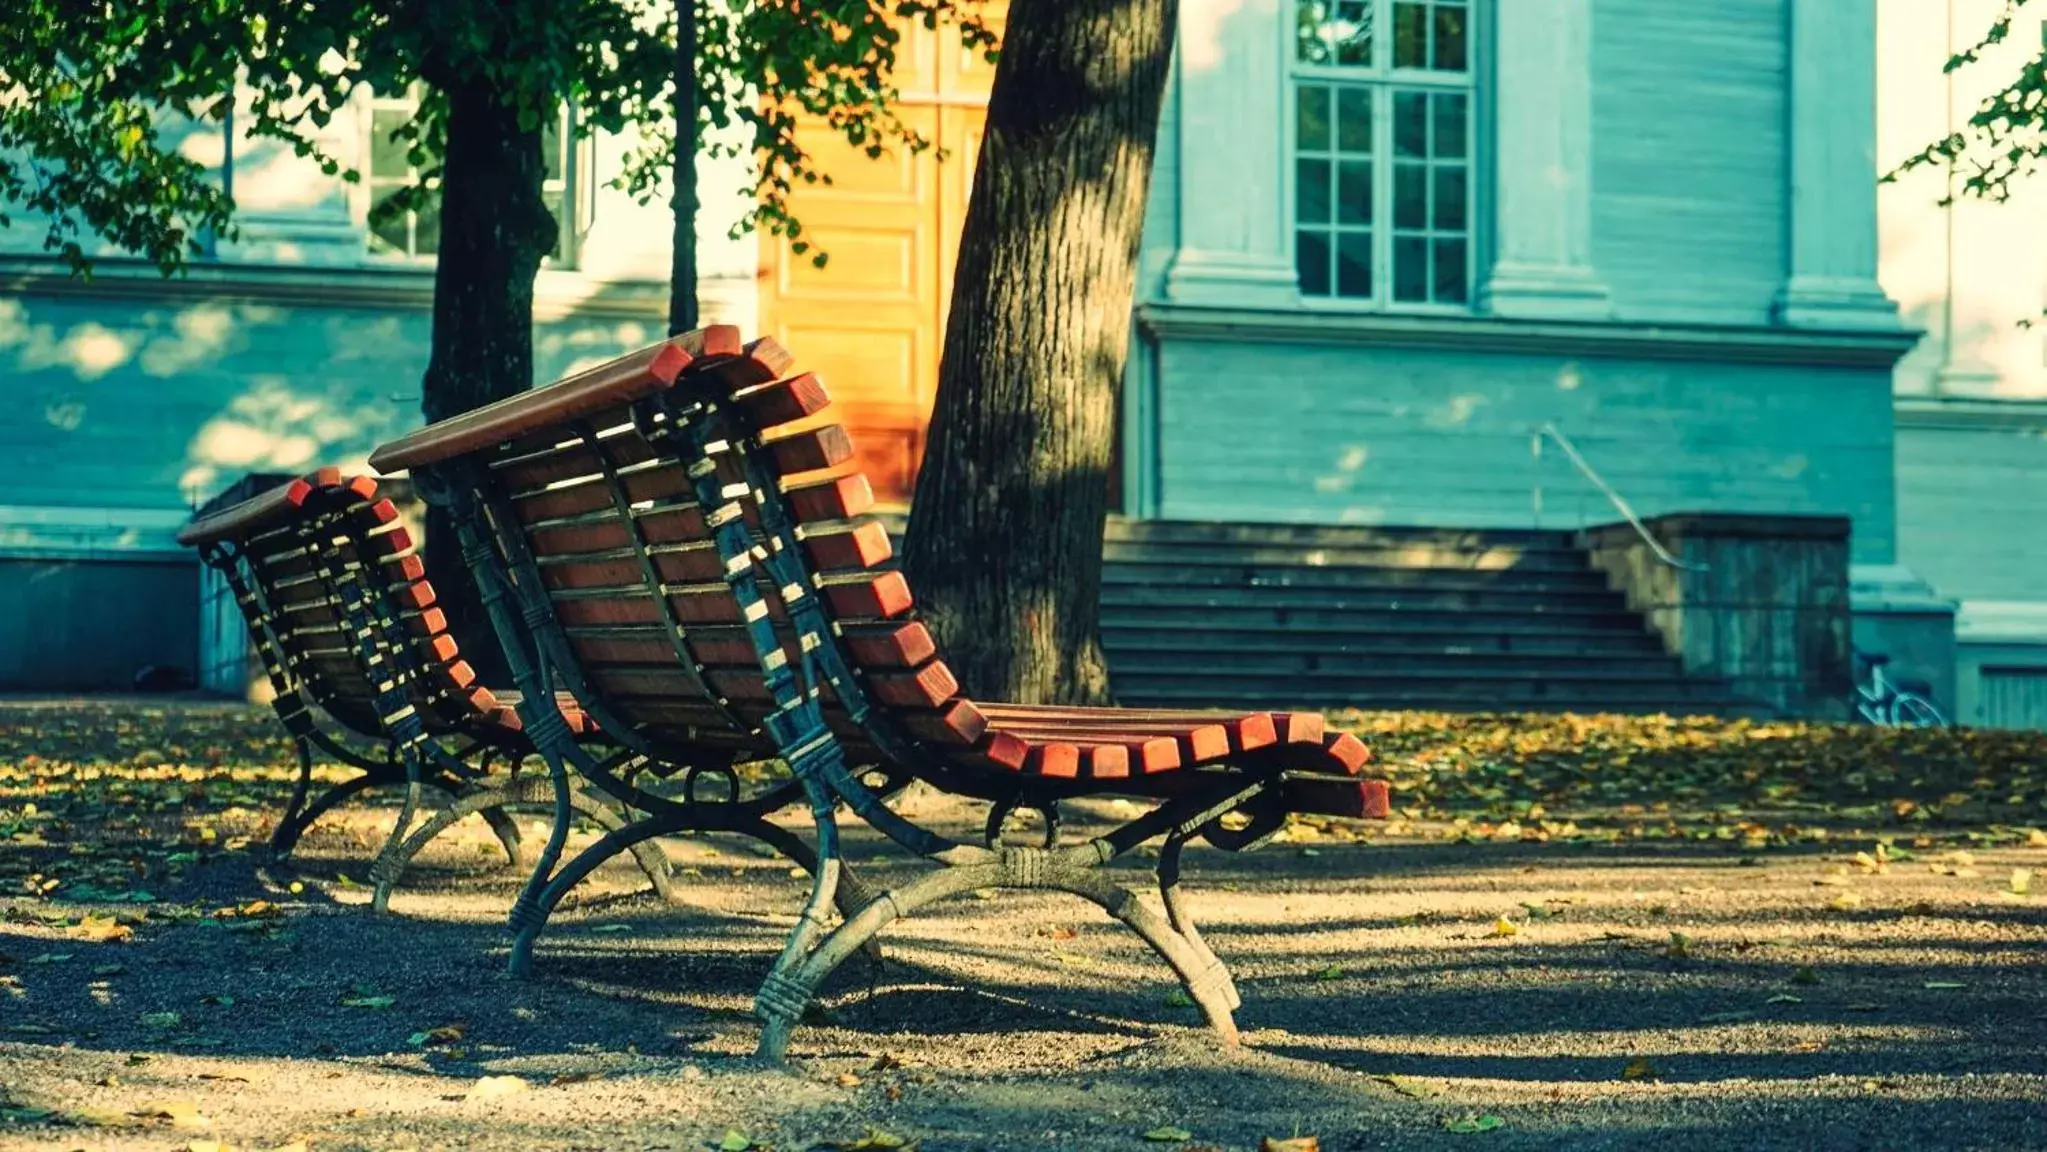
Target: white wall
x,y
1972,274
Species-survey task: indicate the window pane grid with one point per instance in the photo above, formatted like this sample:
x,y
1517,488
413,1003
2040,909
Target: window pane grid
x,y
1382,152
416,233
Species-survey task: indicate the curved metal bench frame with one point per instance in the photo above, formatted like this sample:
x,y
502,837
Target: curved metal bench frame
x,y
688,413
412,756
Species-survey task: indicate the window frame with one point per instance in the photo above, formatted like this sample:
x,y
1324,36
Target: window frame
x,y
573,185
1382,79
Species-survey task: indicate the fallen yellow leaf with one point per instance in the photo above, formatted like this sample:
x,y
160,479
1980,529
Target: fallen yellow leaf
x,y
1505,927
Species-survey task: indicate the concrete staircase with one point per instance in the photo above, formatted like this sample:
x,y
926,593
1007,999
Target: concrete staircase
x,y
1382,618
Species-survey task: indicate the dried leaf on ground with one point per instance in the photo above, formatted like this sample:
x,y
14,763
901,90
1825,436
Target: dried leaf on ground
x,y
1640,1069
1292,1144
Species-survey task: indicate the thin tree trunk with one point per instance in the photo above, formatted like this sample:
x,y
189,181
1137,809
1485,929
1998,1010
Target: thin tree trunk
x,y
682,272
495,229
1005,538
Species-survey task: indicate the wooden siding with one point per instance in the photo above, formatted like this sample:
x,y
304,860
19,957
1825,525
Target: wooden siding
x,y
1970,502
1162,207
2012,698
75,626
1688,157
137,405
1349,434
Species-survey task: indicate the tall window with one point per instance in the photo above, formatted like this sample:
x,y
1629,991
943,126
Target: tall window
x,y
417,232
1382,150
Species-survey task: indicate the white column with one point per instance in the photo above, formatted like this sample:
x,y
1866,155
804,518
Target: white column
x,y
1541,102
1233,108
1831,281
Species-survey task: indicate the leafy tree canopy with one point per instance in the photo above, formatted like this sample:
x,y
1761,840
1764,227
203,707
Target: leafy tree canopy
x,y
89,87
2005,138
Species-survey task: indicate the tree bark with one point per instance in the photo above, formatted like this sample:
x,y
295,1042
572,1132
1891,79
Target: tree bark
x,y
1005,538
495,229
682,268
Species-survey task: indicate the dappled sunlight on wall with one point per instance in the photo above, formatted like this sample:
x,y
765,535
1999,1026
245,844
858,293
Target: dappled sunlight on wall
x,y
277,426
156,407
564,351
88,350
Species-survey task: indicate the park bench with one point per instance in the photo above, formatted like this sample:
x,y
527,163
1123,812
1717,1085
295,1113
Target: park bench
x,y
346,628
681,538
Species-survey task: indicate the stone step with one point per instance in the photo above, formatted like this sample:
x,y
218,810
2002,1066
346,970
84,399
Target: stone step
x,y
1376,621
1469,705
1331,536
1504,692
1431,597
1422,554
1219,575
1193,637
1381,660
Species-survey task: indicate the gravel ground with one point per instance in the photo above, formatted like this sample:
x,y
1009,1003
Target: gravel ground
x,y
1638,993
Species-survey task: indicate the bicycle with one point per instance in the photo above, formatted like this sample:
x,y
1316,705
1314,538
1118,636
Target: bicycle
x,y
1894,704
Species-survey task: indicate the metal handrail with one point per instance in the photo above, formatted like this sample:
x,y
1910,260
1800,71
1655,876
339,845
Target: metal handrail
x,y
1590,473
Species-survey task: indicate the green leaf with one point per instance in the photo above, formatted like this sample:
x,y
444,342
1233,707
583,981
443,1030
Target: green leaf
x,y
735,1141
1178,998
1467,1125
368,1001
1167,1134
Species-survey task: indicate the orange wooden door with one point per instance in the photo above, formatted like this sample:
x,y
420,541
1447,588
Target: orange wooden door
x,y
871,322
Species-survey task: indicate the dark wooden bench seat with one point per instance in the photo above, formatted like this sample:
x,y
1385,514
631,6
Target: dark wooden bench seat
x,y
348,628
685,542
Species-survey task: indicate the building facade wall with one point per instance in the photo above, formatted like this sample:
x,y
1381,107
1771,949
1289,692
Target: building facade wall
x,y
1971,399
128,399
1647,279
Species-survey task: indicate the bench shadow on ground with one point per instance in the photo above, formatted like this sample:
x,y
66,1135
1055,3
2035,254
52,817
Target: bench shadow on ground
x,y
676,980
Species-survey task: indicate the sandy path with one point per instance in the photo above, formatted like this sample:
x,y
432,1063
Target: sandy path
x,y
1808,1004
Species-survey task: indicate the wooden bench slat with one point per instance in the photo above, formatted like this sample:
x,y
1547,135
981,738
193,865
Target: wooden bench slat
x,y
811,451
783,401
621,381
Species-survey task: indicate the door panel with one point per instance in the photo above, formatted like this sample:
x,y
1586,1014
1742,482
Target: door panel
x,y
871,322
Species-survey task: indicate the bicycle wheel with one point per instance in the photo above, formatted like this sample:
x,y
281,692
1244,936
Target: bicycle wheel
x,y
1913,711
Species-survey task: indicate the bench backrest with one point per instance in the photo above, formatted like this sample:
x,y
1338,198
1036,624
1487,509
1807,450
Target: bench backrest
x,y
336,600
609,491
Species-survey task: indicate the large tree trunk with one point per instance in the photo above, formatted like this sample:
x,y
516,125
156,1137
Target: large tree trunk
x,y
1005,538
682,268
495,229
